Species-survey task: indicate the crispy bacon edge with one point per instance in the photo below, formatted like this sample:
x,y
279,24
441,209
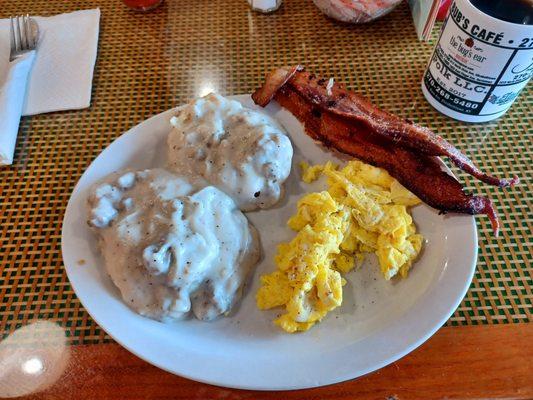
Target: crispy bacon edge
x,y
420,173
274,82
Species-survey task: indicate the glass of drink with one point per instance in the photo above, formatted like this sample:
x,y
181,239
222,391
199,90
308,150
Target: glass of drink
x,y
142,5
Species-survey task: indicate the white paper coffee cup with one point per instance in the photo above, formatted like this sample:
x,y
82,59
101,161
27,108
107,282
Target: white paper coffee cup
x,y
479,65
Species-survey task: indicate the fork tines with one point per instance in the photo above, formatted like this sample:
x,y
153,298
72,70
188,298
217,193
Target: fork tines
x,y
20,34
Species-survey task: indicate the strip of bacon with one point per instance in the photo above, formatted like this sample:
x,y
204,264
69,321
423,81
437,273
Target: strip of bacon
x,y
353,107
420,173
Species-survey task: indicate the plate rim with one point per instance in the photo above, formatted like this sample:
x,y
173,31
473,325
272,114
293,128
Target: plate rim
x,y
220,382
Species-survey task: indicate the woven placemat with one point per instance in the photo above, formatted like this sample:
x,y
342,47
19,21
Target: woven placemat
x,y
148,63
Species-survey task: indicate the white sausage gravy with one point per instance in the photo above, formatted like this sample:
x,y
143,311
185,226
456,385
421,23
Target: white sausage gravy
x,y
242,152
171,244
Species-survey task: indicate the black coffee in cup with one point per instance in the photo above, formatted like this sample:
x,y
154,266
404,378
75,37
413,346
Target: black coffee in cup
x,y
515,11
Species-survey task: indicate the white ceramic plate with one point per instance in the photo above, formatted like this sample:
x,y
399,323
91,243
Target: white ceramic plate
x,y
378,322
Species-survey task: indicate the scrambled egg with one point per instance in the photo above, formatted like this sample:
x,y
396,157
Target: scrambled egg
x,y
364,210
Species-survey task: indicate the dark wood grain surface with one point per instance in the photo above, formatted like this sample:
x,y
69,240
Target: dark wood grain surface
x,y
477,362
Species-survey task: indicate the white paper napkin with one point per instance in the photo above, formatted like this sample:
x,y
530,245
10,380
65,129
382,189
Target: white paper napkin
x,y
62,72
11,104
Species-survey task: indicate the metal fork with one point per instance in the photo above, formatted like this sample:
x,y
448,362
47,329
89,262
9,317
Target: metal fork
x,y
23,35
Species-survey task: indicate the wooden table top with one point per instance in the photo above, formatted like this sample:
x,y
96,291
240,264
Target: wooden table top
x,y
148,63
471,362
